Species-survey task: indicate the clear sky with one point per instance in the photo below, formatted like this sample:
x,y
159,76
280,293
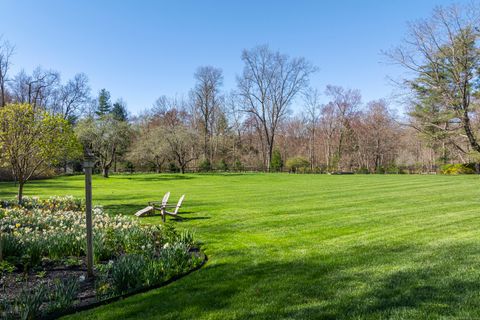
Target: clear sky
x,y
139,50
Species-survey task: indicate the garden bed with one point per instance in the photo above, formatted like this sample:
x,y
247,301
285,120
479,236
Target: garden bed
x,y
43,273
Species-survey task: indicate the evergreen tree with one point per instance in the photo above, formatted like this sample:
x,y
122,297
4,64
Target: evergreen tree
x,y
119,111
277,163
104,104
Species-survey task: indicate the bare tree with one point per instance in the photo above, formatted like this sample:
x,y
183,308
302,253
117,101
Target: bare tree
x,y
6,52
37,90
71,99
311,116
269,83
377,136
235,120
207,100
344,103
328,129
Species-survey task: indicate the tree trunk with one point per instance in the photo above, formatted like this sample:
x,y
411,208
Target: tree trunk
x,y
2,89
20,191
205,141
328,154
270,153
105,172
312,150
468,131
1,246
339,152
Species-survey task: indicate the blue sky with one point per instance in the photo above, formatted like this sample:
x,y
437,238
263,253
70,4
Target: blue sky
x,y
139,50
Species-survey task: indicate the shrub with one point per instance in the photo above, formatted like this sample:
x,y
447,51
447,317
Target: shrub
x,y
458,168
129,166
238,166
222,165
320,169
394,169
276,164
297,164
172,167
205,166
380,170
362,170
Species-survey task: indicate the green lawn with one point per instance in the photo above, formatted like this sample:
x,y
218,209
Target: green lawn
x,y
307,246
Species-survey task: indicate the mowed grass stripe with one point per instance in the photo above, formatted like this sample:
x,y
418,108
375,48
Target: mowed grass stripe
x,y
307,246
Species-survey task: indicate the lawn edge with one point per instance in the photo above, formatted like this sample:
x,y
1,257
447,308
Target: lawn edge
x,y
74,310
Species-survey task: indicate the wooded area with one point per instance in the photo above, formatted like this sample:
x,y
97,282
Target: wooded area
x,y
274,119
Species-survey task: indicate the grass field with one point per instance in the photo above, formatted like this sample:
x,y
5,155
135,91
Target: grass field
x,y
307,246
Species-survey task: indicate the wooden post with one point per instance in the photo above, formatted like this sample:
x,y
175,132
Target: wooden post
x,y
88,166
1,246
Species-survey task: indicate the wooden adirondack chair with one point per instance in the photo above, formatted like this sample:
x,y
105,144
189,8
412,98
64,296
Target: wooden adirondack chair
x,y
175,212
159,205
152,206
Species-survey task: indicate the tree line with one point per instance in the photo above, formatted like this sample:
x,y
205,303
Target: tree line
x,y
253,126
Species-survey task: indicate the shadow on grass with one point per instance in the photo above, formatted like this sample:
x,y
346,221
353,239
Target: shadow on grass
x,y
328,287
155,217
186,219
125,209
156,177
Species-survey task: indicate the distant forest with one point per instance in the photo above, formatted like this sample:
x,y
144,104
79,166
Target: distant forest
x,y
252,127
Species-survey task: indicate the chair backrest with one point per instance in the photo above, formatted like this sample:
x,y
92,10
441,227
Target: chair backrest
x,y
165,198
179,204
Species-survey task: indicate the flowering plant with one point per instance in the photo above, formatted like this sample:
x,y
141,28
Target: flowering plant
x,y
41,234
56,228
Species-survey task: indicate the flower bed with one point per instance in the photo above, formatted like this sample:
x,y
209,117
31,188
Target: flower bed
x,y
44,242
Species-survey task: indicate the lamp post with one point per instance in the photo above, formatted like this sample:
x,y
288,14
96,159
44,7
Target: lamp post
x,y
88,164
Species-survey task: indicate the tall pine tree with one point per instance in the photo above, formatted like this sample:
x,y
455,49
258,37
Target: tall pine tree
x,y
104,104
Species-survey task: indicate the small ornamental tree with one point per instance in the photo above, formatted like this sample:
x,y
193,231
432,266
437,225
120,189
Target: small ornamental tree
x,y
105,136
32,140
149,148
